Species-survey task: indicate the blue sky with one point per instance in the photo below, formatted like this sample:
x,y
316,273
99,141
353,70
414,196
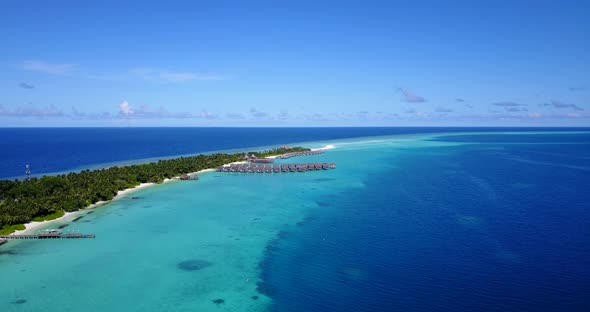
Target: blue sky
x,y
295,63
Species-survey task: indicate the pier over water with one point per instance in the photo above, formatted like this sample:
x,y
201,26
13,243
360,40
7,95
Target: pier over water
x,y
283,168
49,234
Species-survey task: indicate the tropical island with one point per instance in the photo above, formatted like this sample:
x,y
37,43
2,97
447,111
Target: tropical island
x,y
50,197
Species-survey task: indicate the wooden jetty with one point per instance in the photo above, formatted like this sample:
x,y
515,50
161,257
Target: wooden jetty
x,y
49,234
283,168
306,153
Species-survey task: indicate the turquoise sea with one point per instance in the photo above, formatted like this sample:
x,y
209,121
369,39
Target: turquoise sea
x,y
415,222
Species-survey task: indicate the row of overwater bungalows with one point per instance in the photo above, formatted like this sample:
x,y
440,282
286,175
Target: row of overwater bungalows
x,y
261,160
306,153
253,168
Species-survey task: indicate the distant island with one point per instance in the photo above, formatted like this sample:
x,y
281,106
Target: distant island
x,y
50,197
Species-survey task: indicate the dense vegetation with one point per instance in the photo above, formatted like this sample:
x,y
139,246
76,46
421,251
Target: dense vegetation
x,y
278,151
48,197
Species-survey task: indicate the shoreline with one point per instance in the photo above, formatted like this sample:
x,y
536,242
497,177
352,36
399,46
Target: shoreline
x,y
33,225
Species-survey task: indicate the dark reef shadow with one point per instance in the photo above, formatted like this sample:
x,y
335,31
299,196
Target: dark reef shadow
x,y
193,265
8,252
218,301
323,203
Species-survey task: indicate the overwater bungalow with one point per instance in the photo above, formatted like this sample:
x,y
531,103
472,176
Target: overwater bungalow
x,y
49,234
274,168
295,154
261,160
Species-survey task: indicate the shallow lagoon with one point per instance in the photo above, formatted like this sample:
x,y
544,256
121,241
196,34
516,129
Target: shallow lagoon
x,y
180,246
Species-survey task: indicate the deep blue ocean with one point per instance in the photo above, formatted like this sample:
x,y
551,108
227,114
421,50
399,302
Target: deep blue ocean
x,y
501,223
51,150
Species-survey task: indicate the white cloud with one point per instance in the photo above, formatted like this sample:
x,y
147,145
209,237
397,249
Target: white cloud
x,y
535,115
559,104
141,73
507,104
282,115
32,111
257,114
25,85
48,68
156,75
207,115
234,116
125,108
410,97
146,112
444,110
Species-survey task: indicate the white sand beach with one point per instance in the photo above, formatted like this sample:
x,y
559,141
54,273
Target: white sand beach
x,y
32,226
